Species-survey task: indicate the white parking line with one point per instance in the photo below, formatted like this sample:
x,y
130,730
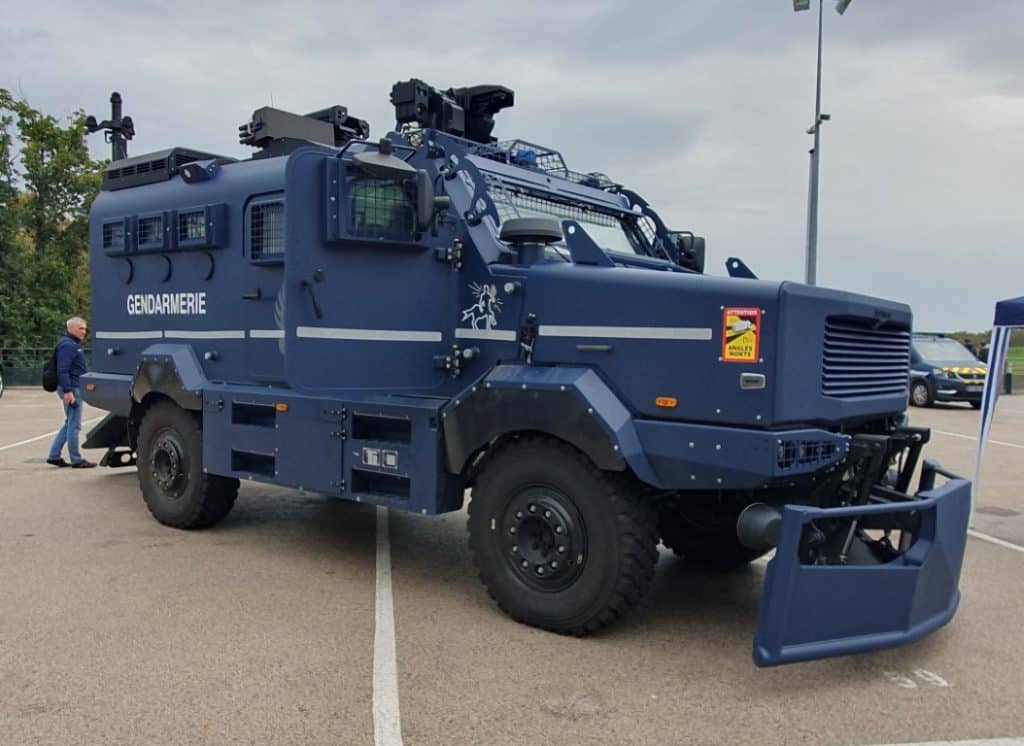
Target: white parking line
x,y
975,438
993,540
44,435
387,722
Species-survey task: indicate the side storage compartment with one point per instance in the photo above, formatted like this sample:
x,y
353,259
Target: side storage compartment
x,y
274,437
394,456
385,452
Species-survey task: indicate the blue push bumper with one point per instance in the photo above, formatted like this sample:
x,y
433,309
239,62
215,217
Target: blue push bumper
x,y
813,611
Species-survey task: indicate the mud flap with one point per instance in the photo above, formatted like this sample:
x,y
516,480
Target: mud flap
x,y
819,611
110,432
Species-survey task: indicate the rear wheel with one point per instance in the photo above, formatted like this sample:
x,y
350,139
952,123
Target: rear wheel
x,y
558,543
920,396
170,459
704,533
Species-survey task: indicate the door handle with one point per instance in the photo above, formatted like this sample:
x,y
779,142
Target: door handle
x,y
253,294
307,283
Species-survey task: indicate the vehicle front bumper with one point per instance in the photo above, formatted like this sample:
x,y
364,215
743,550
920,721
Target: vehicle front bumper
x,y
952,389
819,611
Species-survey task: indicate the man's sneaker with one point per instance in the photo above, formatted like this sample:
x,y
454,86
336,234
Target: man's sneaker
x,y
59,461
83,464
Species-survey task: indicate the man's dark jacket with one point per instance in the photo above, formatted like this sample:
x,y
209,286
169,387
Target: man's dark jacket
x,y
70,362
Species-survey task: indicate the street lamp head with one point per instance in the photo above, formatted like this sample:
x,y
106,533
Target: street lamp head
x,y
801,5
842,5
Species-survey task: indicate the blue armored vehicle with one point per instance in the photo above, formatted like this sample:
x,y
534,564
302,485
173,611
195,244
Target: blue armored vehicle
x,y
400,321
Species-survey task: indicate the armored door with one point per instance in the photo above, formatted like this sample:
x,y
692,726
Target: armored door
x,y
368,304
262,287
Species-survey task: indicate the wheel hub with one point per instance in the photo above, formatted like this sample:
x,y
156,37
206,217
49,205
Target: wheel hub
x,y
543,538
167,462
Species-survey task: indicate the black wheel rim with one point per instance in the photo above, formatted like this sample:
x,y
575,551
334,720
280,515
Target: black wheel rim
x,y
544,539
167,462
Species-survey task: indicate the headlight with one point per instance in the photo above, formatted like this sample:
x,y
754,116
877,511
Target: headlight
x,y
939,372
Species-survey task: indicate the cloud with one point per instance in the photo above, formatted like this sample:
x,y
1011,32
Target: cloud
x,y
700,107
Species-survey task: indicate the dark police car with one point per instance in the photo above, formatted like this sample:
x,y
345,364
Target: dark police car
x,y
942,369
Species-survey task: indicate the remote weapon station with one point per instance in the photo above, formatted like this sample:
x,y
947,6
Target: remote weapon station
x,y
399,321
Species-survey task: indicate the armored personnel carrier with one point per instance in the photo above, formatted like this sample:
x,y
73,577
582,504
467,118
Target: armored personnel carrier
x,y
405,320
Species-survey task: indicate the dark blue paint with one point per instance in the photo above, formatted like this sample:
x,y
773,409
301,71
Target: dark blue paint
x,y
869,607
287,407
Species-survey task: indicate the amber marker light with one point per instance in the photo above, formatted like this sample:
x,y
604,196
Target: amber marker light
x,y
90,387
281,407
669,402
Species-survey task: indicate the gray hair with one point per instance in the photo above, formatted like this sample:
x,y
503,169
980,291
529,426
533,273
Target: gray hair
x,y
75,320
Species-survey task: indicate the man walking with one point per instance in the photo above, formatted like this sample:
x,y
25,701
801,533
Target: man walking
x,y
70,368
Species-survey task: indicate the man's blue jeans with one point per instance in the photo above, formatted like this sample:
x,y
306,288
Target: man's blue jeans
x,y
69,433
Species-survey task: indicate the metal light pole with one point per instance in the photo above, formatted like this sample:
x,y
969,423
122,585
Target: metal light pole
x,y
811,264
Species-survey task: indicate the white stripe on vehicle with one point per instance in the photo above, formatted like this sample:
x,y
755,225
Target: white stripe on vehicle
x,y
367,335
150,334
266,333
205,334
691,333
494,335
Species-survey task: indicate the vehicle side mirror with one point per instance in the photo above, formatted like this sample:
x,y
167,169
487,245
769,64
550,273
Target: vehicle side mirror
x,y
428,204
690,250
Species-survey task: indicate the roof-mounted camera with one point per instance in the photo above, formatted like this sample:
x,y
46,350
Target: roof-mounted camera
x,y
273,130
465,112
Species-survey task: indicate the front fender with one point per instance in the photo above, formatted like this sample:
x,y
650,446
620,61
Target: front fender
x,y
172,370
570,403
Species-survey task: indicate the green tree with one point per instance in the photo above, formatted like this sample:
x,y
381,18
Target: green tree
x,y
45,194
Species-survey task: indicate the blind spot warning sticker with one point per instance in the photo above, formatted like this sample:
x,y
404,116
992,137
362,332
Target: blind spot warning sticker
x,y
741,334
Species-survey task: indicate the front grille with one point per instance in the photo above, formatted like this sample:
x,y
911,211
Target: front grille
x,y
860,360
805,453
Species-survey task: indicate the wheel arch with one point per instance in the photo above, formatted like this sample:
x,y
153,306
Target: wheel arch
x,y
572,405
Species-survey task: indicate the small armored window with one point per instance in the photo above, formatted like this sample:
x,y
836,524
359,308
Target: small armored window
x,y
381,209
266,230
113,236
151,231
192,226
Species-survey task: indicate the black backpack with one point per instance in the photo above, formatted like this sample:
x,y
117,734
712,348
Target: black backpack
x,y
50,372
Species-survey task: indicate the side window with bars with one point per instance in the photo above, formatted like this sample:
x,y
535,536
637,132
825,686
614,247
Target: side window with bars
x,y
265,230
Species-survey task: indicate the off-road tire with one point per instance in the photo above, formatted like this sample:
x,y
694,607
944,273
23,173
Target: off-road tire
x,y
195,499
607,524
704,539
921,395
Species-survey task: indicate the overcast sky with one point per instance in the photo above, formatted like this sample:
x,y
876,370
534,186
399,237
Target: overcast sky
x,y
701,107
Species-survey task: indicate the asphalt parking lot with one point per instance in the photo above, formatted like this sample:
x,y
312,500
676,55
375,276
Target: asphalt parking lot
x,y
267,628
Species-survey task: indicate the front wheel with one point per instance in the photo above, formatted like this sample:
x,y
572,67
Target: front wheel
x,y
170,458
558,543
920,396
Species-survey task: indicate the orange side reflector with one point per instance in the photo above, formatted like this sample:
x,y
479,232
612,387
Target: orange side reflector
x,y
90,387
666,401
281,407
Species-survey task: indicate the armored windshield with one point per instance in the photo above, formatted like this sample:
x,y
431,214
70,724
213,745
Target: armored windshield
x,y
616,232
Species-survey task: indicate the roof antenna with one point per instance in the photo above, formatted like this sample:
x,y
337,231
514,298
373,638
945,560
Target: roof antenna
x,y
117,130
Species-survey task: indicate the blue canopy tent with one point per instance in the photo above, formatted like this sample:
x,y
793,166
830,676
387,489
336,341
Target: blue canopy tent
x,y
1009,314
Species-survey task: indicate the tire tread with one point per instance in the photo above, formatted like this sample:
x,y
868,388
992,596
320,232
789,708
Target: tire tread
x,y
638,538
